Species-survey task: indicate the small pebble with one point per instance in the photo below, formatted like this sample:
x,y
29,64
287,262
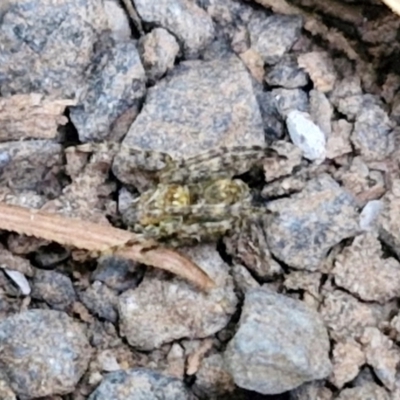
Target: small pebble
x,y
306,135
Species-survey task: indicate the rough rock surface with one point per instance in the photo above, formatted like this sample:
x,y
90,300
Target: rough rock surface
x,y
48,46
160,311
279,345
140,384
114,90
158,50
362,270
25,164
306,226
189,23
43,352
54,288
273,36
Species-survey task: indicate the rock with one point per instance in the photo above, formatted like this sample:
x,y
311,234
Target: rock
x,y
43,352
369,390
117,273
306,226
54,288
140,384
346,317
306,135
114,92
158,50
47,46
191,25
192,110
372,134
160,311
321,112
389,219
101,301
212,379
287,100
338,143
279,345
273,36
320,67
20,280
271,119
370,214
348,357
312,390
382,355
286,73
26,163
362,270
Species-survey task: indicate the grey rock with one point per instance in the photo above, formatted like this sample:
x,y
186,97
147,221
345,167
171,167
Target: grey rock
x,y
191,25
54,288
271,118
26,163
287,100
372,134
212,379
273,36
200,105
140,384
43,352
47,46
306,226
117,273
286,73
101,301
158,50
280,344
160,311
115,89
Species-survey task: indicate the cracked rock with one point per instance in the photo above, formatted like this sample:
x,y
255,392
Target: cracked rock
x,y
279,345
114,92
305,227
362,270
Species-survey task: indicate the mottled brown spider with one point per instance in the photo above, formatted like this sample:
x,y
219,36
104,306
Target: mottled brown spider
x,y
193,199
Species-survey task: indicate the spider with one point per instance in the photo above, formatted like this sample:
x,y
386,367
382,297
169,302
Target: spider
x,y
194,199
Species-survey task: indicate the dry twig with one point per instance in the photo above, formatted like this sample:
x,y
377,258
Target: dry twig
x,y
97,238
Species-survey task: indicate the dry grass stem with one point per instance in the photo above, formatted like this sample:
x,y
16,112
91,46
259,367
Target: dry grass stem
x,y
97,238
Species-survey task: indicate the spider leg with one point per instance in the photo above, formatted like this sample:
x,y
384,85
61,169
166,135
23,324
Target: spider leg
x,y
224,162
176,234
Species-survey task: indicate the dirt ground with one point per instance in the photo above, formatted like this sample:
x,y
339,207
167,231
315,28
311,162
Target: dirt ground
x,y
199,199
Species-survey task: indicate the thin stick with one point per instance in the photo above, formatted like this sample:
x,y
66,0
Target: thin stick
x,y
97,238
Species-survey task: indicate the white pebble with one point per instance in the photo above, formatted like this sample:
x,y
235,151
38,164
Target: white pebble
x,y
306,135
20,280
370,214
